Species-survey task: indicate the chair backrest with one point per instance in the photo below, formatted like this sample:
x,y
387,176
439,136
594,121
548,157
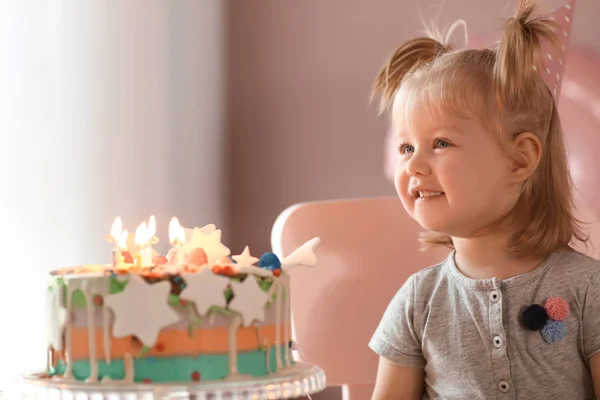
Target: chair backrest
x,y
368,249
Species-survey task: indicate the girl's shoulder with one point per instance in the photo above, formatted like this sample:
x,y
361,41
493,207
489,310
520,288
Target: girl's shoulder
x,y
575,269
575,266
577,262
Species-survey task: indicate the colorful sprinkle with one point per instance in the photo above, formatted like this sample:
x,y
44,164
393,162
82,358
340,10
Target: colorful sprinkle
x,y
557,308
554,331
196,376
146,380
160,347
98,300
277,272
216,269
269,261
159,260
127,257
184,302
197,257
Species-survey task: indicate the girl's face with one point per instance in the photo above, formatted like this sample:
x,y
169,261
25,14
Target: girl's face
x,y
452,176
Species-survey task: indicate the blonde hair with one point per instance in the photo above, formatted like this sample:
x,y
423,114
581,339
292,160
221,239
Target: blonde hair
x,y
501,90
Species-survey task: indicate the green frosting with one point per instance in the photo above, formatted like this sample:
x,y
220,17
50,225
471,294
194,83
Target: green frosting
x,y
117,286
78,298
178,369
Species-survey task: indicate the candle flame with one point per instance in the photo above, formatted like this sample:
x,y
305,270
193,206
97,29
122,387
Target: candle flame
x,y
141,234
181,235
151,227
116,228
174,229
122,243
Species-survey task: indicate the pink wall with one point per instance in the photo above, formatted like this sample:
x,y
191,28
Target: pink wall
x,y
299,121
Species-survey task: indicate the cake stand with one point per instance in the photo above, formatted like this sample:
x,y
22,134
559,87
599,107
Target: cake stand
x,y
300,380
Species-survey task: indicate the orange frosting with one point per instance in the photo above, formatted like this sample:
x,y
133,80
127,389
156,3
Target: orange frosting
x,y
173,342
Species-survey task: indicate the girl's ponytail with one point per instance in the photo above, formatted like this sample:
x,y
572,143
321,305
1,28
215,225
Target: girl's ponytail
x,y
519,53
407,58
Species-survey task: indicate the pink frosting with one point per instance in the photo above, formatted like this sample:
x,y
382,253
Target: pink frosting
x,y
557,308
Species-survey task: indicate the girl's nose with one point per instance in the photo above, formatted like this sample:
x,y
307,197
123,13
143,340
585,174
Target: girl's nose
x,y
417,165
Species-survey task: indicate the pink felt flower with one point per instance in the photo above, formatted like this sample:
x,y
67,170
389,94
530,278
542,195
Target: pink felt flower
x,y
557,308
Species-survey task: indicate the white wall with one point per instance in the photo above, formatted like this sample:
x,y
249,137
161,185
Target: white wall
x,y
106,108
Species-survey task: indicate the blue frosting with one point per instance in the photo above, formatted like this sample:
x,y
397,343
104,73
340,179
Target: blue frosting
x,y
179,368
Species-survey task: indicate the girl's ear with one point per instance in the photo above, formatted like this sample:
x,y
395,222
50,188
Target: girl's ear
x,y
526,156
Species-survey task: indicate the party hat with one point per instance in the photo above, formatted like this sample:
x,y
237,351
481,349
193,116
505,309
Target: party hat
x,y
552,65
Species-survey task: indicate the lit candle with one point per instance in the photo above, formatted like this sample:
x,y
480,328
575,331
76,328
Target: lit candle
x,y
142,240
121,247
115,236
177,238
152,238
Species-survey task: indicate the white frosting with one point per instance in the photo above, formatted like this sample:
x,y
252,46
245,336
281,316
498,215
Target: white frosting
x,y
71,287
278,324
249,300
234,374
251,269
105,322
56,317
285,281
141,309
263,341
129,368
87,293
205,289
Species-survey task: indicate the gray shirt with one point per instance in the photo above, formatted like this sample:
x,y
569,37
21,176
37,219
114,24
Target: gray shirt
x,y
470,338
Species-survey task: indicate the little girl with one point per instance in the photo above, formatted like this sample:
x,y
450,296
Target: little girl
x,y
513,312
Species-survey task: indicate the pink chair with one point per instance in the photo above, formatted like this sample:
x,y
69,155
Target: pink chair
x,y
368,249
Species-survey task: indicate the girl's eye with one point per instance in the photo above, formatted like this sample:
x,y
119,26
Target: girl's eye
x,y
441,143
405,149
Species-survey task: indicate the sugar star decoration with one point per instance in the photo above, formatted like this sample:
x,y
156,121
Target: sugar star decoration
x,y
303,255
56,316
142,309
205,289
209,242
245,259
206,229
249,300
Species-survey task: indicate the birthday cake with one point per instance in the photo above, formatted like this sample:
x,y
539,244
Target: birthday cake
x,y
196,314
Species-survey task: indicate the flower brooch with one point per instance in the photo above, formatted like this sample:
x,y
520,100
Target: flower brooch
x,y
550,318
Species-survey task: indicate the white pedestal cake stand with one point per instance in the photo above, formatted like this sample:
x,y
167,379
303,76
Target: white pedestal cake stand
x,y
300,380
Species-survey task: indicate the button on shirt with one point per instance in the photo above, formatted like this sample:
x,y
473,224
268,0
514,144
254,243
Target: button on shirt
x,y
468,335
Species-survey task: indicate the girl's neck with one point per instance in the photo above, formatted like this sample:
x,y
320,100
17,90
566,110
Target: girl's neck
x,y
486,257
